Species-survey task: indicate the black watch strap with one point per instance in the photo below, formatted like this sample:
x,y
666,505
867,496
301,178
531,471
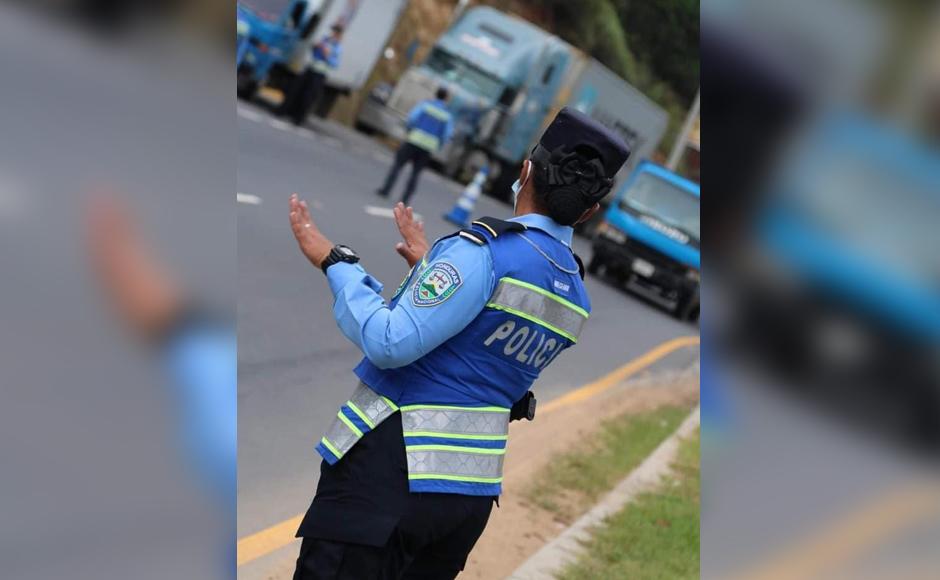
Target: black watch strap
x,y
339,253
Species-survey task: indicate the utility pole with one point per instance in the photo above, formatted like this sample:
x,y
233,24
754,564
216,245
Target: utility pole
x,y
678,148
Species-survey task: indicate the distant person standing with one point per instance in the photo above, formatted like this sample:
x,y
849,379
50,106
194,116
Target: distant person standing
x,y
430,125
308,86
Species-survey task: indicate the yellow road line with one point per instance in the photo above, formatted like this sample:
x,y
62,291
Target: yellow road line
x,y
279,535
609,380
856,533
268,540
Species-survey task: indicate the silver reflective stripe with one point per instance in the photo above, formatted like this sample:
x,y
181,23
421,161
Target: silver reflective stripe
x,y
539,306
455,465
371,407
340,436
445,420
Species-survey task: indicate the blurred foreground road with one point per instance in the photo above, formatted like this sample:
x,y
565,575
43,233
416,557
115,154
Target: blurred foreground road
x,y
294,364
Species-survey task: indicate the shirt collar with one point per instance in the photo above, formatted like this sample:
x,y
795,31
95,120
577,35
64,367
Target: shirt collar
x,y
542,222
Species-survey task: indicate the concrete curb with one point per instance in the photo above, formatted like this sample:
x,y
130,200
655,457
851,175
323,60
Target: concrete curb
x,y
544,564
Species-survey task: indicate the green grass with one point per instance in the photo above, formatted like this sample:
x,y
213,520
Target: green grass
x,y
654,537
574,481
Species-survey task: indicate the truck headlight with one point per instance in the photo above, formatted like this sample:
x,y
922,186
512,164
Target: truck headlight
x,y
381,92
611,233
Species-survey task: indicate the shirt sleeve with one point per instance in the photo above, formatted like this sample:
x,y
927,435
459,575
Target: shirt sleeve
x,y
335,54
414,114
202,363
449,129
437,302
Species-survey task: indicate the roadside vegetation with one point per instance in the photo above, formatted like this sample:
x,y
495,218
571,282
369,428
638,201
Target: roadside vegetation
x,y
575,480
654,537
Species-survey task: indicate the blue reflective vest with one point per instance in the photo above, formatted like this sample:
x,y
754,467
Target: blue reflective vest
x,y
429,125
455,400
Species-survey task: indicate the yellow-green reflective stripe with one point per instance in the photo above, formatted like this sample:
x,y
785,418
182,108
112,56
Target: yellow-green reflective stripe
x,y
326,443
365,419
456,448
451,407
531,318
456,435
547,294
349,424
393,406
423,139
439,114
455,477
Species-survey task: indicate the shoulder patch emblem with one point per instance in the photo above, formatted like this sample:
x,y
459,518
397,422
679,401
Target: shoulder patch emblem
x,y
436,284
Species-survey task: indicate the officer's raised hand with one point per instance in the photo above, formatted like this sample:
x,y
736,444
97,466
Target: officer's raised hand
x,y
415,244
312,242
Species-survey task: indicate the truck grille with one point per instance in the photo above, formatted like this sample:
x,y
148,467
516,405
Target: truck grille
x,y
409,92
655,257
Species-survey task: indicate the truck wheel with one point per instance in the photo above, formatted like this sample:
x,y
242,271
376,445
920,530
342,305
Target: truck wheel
x,y
594,266
245,86
687,309
501,186
363,128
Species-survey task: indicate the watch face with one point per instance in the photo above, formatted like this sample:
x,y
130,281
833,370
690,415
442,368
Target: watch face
x,y
345,251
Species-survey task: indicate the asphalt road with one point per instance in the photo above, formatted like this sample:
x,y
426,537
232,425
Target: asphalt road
x,y
294,364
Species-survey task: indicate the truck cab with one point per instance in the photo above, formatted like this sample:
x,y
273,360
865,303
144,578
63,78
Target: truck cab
x,y
503,75
650,239
269,33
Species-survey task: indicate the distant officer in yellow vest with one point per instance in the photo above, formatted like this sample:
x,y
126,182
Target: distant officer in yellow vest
x,y
429,127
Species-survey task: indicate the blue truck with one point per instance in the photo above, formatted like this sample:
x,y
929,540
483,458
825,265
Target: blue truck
x,y
650,239
843,267
507,78
274,33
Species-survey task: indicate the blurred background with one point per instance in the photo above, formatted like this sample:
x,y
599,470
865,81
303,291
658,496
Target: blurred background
x,y
117,165
821,375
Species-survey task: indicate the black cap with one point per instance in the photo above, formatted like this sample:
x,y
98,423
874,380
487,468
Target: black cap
x,y
572,129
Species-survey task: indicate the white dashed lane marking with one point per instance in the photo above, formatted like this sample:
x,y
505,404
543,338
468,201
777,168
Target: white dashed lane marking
x,y
247,198
280,125
250,115
385,212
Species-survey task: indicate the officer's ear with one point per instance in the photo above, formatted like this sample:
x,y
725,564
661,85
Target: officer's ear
x,y
588,213
524,172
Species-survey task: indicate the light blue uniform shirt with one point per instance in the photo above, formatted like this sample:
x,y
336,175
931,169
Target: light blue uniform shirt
x,y
395,337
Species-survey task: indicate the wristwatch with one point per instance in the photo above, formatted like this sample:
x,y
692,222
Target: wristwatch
x,y
339,253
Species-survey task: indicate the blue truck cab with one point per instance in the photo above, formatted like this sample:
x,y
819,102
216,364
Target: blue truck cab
x,y
266,40
843,267
650,239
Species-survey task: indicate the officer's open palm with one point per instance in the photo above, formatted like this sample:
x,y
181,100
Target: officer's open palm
x,y
415,243
312,242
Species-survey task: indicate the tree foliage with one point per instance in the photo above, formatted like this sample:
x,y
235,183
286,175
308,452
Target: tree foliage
x,y
653,44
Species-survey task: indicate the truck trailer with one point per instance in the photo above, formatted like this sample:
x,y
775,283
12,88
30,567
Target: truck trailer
x,y
507,79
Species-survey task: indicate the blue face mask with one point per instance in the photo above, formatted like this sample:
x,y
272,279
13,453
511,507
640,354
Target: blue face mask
x,y
516,188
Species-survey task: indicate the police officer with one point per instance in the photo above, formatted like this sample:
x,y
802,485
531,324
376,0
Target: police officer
x,y
308,86
413,460
429,126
